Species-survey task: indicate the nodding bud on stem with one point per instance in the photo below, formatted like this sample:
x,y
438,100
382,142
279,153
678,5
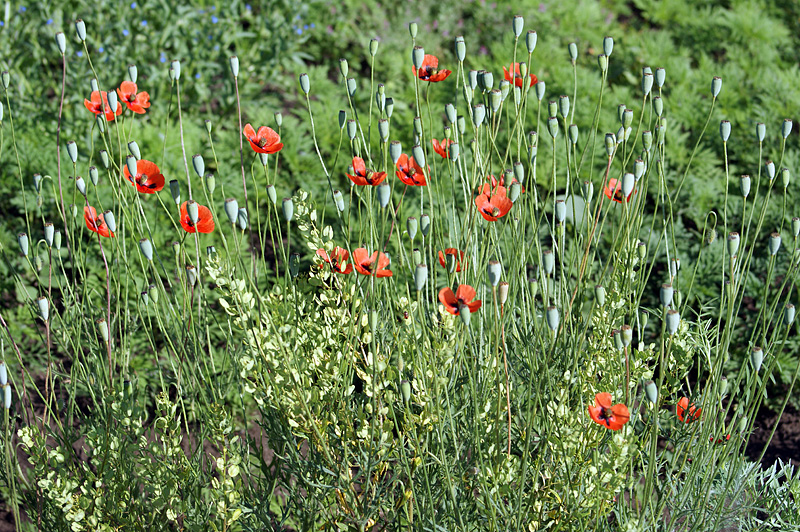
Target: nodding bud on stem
x,y
733,244
461,49
234,64
133,73
338,199
786,129
716,86
602,62
81,184
242,219
788,314
288,209
517,25
774,243
425,224
725,130
191,275
666,294
608,45
761,131
494,270
661,76
111,220
352,86
540,90
272,194
417,56
673,320
80,29
72,151
417,122
22,240
175,69
5,78
278,118
146,247
134,149
61,41
57,240
464,313
232,210
600,295
530,41
572,48
411,226
549,261
756,358
305,84
611,144
552,318
420,276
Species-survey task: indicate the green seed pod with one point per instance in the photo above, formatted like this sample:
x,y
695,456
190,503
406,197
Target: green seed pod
x,y
383,129
588,191
561,211
502,292
343,67
417,122
417,56
628,182
761,131
153,293
233,61
81,185
44,308
602,62
104,159
411,226
73,209
716,86
389,107
517,25
416,256
563,106
455,150
22,240
133,73
94,177
380,97
519,171
146,248
461,49
641,250
191,275
395,150
725,130
774,243
478,114
552,318
352,86
617,337
192,208
660,134
450,111
658,105
487,80
666,294
552,107
534,287
405,391
305,84
788,314
639,168
57,240
373,47
549,261
770,169
351,129
611,144
786,177
627,335
338,199
647,84
7,397
102,326
49,233
342,118
661,76
573,52
647,140
673,321
131,163
175,66
600,295
80,29
462,124
288,209
412,29
643,319
384,194
175,191
464,314
651,392
242,219
756,358
473,79
494,270
419,155
272,194
530,41
72,151
198,164
795,226
61,42
514,191
211,183
232,209
744,185
420,276
608,45
552,126
3,373
733,244
540,90
523,69
786,129
505,87
111,221
495,99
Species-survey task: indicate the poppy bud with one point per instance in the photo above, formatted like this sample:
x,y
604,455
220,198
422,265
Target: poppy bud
x,y
674,266
412,29
608,45
151,290
417,122
241,218
487,80
552,126
661,75
733,244
342,118
540,89
647,84
455,150
744,185
104,159
405,390
761,131
774,243
272,194
462,124
673,320
795,226
305,84
643,318
94,177
519,171
176,248
473,79
666,294
756,358
549,261
658,105
234,64
61,41
130,161
651,391
278,118
641,250
530,41
770,168
588,191
111,221
101,122
461,49
80,29
563,105
81,184
419,155
620,136
786,176
3,373
49,232
617,337
788,314
73,209
146,247
416,256
425,224
494,270
211,251
639,168
288,209
523,69
145,297
552,107
725,130
198,164
294,265
380,98
478,114
647,140
573,134
450,111
112,101
716,86
7,396
192,209
352,86
660,133
191,275
627,335
786,129
420,276
611,144
561,210
411,226
57,240
572,48
211,183
395,150
514,191
37,182
602,62
175,191
418,56
384,194
72,151
495,99
389,107
628,182
44,308
351,129
552,318
600,295
464,313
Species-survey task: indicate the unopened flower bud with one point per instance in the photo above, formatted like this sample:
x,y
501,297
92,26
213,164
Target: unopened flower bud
x,y
464,312
72,151
563,105
288,209
425,224
673,321
517,25
242,219
111,221
411,226
478,114
461,49
572,48
769,166
786,177
756,358
198,164
384,194
552,318
608,45
786,129
611,144
232,210
600,295
352,86
417,56
733,244
419,155
494,271
647,84
146,248
628,182
588,191
548,261
761,131
81,185
175,66
455,151
191,275
80,29
788,314
716,86
744,185
552,126
561,210
602,62
725,130
651,392
658,105
44,308
338,199
530,41
211,183
412,29
420,276
774,243
795,226
57,240
540,90
305,84
666,294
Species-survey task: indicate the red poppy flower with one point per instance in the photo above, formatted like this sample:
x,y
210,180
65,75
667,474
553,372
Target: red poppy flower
x,y
97,107
687,413
459,256
429,70
442,147
499,186
603,413
336,259
495,206
512,75
95,222
462,298
374,264
361,176
205,221
720,440
614,191
410,172
265,140
148,179
136,102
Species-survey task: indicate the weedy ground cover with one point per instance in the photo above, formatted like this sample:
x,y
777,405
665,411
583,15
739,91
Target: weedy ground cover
x,y
486,311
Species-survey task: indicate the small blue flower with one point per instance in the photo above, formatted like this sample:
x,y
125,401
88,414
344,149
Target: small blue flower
x,y
248,7
299,31
213,8
125,32
197,76
305,27
214,20
79,53
2,23
144,23
49,21
313,26
133,5
210,37
22,9
101,49
216,48
163,58
201,11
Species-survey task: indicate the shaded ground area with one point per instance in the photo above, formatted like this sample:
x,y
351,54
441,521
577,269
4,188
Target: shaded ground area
x,y
785,443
